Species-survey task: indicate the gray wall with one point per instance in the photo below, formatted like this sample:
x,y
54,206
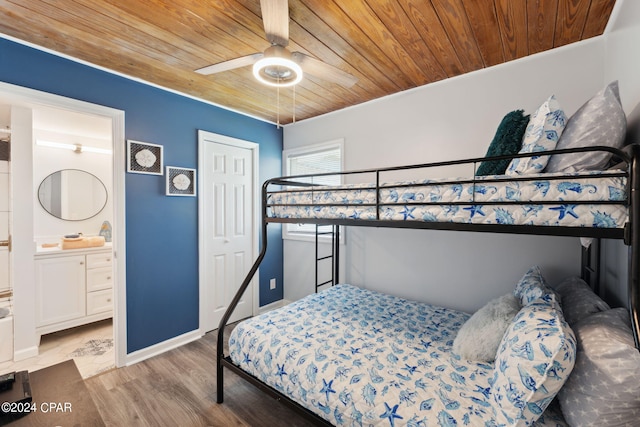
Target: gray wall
x,y
457,118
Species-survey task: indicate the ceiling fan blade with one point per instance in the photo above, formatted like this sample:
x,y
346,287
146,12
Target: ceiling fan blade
x,y
322,70
275,17
231,64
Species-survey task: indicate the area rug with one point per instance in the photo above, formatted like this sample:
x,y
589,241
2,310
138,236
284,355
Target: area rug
x,y
93,348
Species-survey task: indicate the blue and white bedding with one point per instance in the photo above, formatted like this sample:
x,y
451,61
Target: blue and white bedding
x,y
548,202
360,358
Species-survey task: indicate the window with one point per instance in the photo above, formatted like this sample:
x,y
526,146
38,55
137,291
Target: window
x,y
312,159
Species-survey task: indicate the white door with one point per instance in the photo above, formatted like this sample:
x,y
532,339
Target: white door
x,y
227,193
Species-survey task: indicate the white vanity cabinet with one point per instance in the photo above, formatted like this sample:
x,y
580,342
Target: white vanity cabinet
x,y
60,289
73,287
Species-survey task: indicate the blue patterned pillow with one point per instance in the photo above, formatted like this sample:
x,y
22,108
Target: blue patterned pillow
x,y
531,287
534,359
542,134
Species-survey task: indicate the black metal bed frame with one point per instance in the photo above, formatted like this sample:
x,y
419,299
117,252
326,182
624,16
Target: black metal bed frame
x,y
630,155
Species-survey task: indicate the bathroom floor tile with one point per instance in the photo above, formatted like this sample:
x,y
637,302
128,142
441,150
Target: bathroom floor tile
x,y
90,346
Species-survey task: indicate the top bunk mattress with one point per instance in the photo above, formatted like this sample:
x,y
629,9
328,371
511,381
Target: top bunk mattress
x,y
585,199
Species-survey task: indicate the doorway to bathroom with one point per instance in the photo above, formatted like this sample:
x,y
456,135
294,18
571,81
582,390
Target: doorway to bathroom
x,y
57,142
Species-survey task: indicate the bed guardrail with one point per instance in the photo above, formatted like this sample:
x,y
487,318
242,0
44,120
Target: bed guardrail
x,y
622,155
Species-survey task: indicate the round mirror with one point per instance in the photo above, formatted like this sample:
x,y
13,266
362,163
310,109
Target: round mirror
x,y
72,194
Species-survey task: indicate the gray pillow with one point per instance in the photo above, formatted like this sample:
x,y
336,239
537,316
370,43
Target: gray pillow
x,y
478,339
604,386
578,300
600,121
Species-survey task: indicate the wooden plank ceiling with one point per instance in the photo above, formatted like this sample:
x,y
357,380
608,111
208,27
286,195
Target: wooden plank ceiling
x,y
389,45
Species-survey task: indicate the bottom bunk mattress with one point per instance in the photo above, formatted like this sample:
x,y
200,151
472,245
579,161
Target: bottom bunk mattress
x,y
357,357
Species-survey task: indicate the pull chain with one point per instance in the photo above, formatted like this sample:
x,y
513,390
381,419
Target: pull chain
x,y
278,105
294,104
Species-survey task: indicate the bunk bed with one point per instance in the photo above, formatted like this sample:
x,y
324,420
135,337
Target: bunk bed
x,y
592,205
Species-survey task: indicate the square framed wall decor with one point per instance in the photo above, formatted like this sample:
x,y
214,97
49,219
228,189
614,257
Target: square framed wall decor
x,y
144,157
181,181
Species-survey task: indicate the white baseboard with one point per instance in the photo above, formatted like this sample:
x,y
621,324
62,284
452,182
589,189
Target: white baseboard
x,y
164,346
170,344
25,353
273,306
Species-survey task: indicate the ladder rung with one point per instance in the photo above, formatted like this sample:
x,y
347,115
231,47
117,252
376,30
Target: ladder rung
x,y
333,233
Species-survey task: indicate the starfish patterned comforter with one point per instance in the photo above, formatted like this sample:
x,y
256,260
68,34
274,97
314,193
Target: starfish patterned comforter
x,y
360,358
575,200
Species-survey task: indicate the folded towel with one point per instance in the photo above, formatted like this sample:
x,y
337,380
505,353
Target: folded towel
x,y
85,242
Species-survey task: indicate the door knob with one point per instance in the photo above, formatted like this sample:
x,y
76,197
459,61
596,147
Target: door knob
x,y
6,243
227,240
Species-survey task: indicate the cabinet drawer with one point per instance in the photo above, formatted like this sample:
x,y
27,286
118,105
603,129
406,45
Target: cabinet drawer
x,y
99,278
99,301
99,260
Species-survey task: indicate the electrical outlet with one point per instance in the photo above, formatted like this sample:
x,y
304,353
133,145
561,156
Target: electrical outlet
x,y
272,284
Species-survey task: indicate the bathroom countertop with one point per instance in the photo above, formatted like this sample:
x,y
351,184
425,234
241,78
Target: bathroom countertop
x,y
108,246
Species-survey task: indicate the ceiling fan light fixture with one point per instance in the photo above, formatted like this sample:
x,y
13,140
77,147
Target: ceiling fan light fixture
x,y
277,71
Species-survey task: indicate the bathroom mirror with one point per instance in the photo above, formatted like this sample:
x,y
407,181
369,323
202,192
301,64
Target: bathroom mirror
x,y
72,194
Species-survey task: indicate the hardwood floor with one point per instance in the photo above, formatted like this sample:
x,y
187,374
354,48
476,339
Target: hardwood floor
x,y
178,388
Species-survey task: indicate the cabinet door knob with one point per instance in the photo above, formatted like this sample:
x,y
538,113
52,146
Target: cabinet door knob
x,y
108,259
81,262
108,277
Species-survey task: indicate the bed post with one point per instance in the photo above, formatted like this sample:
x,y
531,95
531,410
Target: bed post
x,y
633,240
336,254
591,264
236,299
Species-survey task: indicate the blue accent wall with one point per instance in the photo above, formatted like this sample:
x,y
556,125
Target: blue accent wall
x,y
162,232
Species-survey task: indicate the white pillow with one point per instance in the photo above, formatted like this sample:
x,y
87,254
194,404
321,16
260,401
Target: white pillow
x,y
479,337
542,134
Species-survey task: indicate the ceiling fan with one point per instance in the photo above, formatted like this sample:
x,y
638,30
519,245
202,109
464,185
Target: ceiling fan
x,y
277,66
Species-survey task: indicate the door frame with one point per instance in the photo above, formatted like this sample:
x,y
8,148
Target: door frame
x,y
22,96
204,137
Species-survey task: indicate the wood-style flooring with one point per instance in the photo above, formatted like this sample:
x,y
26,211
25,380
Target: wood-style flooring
x,y
178,388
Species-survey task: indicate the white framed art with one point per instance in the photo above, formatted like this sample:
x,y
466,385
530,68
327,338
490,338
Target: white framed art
x,y
144,157
181,181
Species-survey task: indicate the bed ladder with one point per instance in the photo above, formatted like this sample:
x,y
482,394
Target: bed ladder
x,y
333,256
